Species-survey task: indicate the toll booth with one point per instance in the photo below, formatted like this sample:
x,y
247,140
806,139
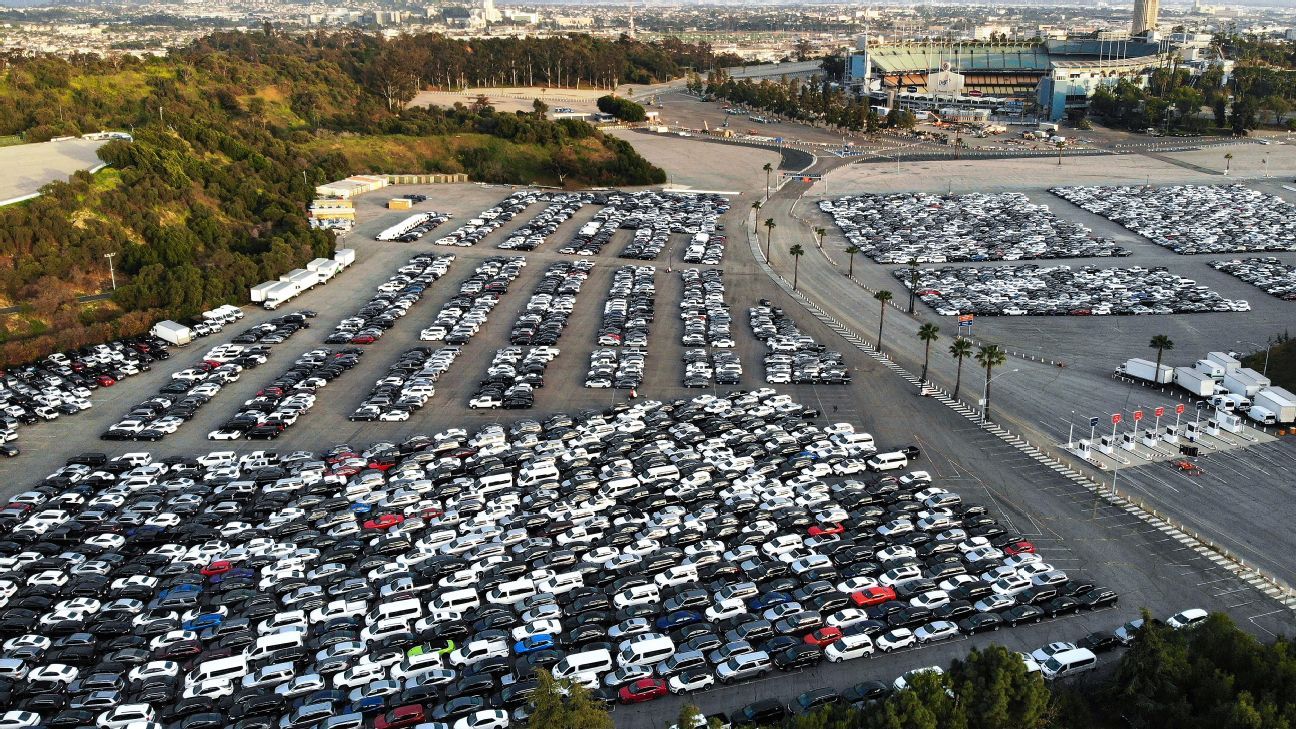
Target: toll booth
x,y
1084,448
1192,432
1213,426
1230,422
1128,441
1170,434
1149,436
1106,444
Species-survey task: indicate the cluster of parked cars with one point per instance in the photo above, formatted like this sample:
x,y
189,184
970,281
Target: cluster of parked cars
x,y
647,548
793,356
622,368
706,317
409,383
705,248
561,208
542,320
461,317
512,377
629,308
491,219
930,228
704,369
391,301
1267,274
1191,219
660,212
1034,290
279,404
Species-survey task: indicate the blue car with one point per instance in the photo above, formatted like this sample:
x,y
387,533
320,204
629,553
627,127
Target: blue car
x,y
678,619
534,643
232,574
361,508
180,590
204,621
367,705
768,600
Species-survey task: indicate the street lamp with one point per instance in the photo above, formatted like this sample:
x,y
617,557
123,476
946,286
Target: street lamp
x,y
111,275
1267,348
986,388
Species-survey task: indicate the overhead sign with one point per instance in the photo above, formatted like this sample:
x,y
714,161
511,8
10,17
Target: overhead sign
x,y
1138,415
1179,409
1159,411
945,82
1116,418
965,318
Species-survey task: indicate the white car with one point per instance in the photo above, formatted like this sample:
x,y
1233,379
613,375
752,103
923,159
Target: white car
x,y
122,715
225,434
394,416
894,640
484,719
485,401
690,681
1187,619
936,630
1040,655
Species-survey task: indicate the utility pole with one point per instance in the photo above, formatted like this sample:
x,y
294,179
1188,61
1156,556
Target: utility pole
x,y
111,275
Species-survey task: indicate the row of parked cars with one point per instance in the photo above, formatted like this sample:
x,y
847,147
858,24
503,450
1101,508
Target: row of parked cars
x,y
621,368
464,314
511,378
542,320
932,228
391,301
491,219
705,315
1267,274
659,212
629,307
190,389
283,401
1036,290
704,369
561,208
643,549
793,356
409,383
1192,219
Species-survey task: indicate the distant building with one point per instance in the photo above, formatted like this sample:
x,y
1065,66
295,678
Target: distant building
x,y
1145,16
983,32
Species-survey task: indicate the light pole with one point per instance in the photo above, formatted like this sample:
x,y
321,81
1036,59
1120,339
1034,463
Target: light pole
x,y
111,275
1267,347
986,388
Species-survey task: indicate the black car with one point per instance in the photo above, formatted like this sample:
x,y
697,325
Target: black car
x,y
765,711
868,692
1099,597
980,623
1099,642
798,657
1023,614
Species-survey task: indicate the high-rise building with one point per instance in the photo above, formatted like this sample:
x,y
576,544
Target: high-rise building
x,y
1145,16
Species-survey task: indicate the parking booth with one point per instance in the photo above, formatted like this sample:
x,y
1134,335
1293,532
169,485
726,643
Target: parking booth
x,y
1192,432
1106,444
1213,426
1230,422
1128,441
1084,448
1150,437
1170,434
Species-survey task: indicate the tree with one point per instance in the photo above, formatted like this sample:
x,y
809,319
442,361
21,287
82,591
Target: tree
x,y
960,348
1228,162
769,230
796,251
623,109
989,356
583,711
539,108
768,169
549,709
819,236
1161,343
913,282
1060,146
883,297
996,691
928,333
388,76
688,717
851,250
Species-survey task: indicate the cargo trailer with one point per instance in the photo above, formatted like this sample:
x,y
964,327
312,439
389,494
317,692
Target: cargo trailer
x,y
344,256
1224,359
172,332
1196,382
1278,401
259,291
1245,381
1214,369
1141,369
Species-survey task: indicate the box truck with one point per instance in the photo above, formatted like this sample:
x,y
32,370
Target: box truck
x,y
305,279
1262,415
1141,369
1245,381
315,264
1214,369
344,256
1224,359
173,332
282,291
328,270
1278,401
289,276
259,291
1194,381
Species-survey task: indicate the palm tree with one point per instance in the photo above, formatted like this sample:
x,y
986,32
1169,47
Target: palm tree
x,y
1161,343
884,297
1228,162
820,233
769,229
768,169
851,251
1060,146
796,252
989,356
913,282
928,333
960,348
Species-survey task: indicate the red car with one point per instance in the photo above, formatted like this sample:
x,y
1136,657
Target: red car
x,y
400,716
873,596
1022,547
105,381
645,689
386,521
819,530
824,637
364,339
219,567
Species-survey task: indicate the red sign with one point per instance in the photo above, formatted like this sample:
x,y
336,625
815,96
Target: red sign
x,y
965,317
1179,409
1116,418
1159,412
1138,415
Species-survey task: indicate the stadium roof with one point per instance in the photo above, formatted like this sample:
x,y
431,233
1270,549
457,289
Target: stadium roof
x,y
891,59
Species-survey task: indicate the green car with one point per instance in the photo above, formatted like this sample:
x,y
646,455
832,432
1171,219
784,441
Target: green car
x,y
446,649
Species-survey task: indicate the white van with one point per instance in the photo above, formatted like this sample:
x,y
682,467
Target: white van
x,y
668,472
888,461
561,583
268,644
512,592
457,600
618,486
646,652
233,668
849,647
408,609
531,476
494,482
1068,663
588,662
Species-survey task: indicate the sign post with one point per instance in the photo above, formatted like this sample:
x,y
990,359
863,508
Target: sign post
x,y
1093,426
965,321
1138,415
1158,412
1178,411
1201,405
1116,418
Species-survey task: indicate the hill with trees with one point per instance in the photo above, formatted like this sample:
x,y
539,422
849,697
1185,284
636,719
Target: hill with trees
x,y
230,137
